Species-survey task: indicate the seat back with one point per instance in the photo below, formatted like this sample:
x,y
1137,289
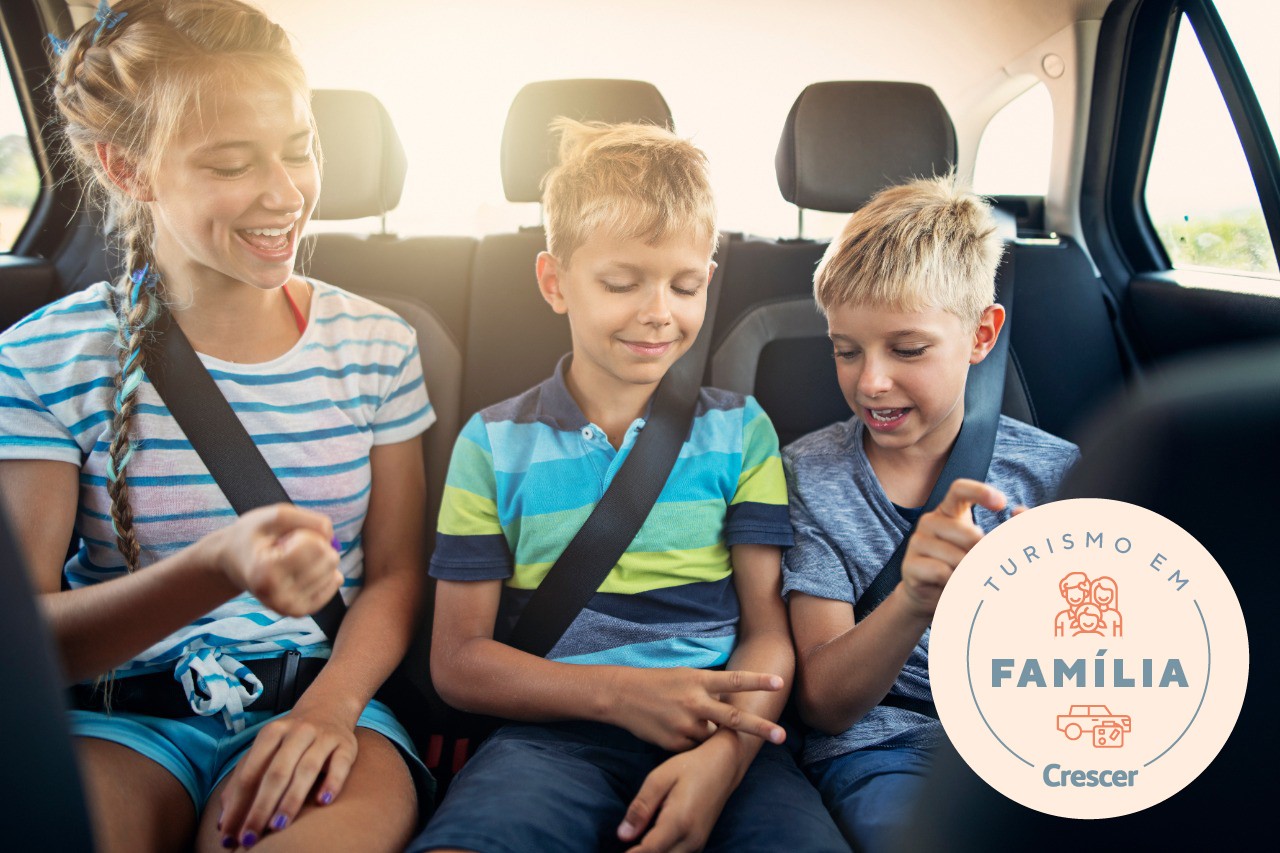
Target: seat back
x,y
423,279
513,339
39,779
842,142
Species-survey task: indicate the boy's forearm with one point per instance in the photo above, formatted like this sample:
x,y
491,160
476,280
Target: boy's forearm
x,y
840,681
762,651
484,676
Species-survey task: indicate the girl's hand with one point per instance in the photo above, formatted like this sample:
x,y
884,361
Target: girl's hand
x,y
282,555
679,708
307,752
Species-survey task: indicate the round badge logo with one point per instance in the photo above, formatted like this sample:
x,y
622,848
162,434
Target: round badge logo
x,y
1088,658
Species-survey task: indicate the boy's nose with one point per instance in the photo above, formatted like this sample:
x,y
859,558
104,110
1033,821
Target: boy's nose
x,y
874,379
656,310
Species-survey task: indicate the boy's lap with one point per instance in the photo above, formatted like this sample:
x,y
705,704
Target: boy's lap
x,y
871,792
567,787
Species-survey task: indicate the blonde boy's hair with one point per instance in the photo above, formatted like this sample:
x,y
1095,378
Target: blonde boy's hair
x,y
927,243
634,181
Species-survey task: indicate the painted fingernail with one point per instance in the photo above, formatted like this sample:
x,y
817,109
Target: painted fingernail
x,y
326,798
228,842
279,821
248,839
337,546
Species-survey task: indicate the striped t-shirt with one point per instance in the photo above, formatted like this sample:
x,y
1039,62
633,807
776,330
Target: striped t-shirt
x,y
353,380
525,475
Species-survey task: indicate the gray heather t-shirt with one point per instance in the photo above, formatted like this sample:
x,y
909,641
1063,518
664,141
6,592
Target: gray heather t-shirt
x,y
846,529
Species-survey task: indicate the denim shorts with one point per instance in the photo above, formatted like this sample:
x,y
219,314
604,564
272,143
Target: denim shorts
x,y
566,786
200,751
871,792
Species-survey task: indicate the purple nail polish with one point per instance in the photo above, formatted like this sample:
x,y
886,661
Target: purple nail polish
x,y
248,839
279,822
326,798
228,842
337,546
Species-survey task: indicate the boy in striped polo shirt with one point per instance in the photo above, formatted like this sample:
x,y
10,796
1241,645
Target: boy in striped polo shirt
x,y
627,732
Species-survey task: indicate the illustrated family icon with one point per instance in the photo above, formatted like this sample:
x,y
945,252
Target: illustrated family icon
x,y
1092,607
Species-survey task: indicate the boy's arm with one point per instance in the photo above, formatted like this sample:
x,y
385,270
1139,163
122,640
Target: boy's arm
x,y
846,669
688,791
667,707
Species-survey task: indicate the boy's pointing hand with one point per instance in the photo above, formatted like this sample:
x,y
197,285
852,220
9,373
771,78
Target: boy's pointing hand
x,y
941,540
672,708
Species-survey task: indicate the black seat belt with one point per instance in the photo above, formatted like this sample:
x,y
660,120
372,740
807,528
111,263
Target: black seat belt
x,y
219,438
970,458
598,545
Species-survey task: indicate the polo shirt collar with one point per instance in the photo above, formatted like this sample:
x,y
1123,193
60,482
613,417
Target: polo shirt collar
x,y
556,406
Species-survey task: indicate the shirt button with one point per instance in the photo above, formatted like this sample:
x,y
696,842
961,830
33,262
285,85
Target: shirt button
x,y
587,433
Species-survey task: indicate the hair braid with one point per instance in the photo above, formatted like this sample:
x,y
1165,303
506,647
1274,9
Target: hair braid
x,y
138,302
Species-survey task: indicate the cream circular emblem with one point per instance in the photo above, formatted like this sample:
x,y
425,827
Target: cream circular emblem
x,y
1088,658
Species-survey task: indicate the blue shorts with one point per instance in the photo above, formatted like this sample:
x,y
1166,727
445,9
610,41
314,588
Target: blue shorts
x,y
200,751
566,786
871,792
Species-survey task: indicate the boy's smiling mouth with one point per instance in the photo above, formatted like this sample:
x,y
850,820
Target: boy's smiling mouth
x,y
885,419
647,348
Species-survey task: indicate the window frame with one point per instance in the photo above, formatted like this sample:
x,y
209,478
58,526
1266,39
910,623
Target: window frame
x,y
1128,97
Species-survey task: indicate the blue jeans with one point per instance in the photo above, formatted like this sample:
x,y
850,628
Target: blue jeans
x,y
870,792
566,786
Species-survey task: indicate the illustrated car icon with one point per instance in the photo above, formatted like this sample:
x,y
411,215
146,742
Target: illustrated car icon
x,y
1086,718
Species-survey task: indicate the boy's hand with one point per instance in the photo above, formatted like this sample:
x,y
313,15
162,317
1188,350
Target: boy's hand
x,y
680,801
282,555
941,540
679,708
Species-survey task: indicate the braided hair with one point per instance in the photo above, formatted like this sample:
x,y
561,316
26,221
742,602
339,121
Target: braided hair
x,y
129,80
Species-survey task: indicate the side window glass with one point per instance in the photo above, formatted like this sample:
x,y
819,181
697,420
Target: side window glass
x,y
1200,193
1016,147
19,177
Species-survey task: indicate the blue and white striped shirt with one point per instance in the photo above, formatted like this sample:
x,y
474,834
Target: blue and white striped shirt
x,y
352,381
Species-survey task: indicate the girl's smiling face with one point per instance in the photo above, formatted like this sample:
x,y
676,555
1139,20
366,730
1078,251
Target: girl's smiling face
x,y
234,189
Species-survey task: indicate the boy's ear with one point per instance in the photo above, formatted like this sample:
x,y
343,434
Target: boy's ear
x,y
548,270
987,333
123,172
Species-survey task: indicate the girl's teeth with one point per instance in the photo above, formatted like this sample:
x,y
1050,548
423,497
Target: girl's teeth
x,y
268,232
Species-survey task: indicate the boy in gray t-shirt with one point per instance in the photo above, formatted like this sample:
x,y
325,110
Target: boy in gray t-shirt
x,y
908,290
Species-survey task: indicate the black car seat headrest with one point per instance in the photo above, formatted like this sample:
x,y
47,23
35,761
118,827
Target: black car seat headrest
x,y
364,162
844,141
529,150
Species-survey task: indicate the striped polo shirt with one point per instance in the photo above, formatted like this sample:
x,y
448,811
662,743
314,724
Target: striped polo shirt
x,y
526,473
352,381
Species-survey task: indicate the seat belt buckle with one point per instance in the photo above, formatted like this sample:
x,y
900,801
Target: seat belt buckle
x,y
286,695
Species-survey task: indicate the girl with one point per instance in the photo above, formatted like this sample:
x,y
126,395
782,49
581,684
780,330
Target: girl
x,y
193,117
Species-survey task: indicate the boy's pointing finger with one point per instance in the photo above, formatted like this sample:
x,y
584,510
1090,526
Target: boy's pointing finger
x,y
741,681
965,494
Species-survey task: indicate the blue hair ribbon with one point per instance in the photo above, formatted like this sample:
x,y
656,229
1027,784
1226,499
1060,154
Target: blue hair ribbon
x,y
59,45
107,20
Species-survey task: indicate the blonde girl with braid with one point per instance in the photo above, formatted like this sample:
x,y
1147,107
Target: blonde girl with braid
x,y
189,120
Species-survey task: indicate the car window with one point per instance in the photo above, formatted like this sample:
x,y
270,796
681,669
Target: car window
x,y
1200,193
1013,155
19,177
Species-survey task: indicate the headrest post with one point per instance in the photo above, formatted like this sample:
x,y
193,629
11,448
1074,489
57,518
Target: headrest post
x,y
383,219
799,223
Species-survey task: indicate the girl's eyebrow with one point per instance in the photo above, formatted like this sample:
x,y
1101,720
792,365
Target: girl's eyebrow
x,y
245,143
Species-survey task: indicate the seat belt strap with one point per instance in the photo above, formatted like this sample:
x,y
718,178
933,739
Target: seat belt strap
x,y
614,522
970,457
219,438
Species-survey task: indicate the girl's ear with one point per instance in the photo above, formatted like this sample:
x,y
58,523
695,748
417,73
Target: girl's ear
x,y
123,172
